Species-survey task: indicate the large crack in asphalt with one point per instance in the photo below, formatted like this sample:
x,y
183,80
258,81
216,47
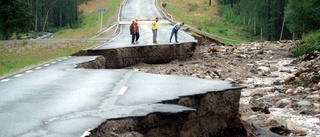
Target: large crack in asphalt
x,y
216,113
124,57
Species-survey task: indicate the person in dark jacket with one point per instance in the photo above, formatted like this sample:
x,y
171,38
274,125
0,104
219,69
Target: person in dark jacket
x,y
133,31
138,34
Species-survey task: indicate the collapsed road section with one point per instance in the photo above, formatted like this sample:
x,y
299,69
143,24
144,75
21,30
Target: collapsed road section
x,y
124,57
215,114
212,113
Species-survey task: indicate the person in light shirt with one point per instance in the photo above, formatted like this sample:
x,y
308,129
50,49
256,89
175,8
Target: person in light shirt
x,y
175,30
155,28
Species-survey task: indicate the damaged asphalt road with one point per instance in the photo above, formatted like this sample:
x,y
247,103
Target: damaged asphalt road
x,y
57,100
63,99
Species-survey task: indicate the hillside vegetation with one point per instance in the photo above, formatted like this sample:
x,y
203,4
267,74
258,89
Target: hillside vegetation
x,y
251,20
206,18
17,55
90,24
22,54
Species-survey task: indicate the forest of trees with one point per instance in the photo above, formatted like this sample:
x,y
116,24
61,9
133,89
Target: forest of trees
x,y
20,16
271,19
274,19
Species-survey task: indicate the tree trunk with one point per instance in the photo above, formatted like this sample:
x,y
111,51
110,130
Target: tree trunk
x,y
269,20
293,37
303,28
36,18
76,12
282,27
244,20
254,26
231,2
254,19
45,21
60,17
261,34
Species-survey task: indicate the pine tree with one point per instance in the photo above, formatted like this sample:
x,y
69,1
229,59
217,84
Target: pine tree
x,y
14,17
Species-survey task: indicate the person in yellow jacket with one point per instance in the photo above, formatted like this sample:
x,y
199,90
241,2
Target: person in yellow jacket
x,y
155,30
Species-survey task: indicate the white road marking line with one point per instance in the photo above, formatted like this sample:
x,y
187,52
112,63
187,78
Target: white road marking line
x,y
46,65
122,90
53,62
5,80
87,133
60,60
29,71
18,75
38,67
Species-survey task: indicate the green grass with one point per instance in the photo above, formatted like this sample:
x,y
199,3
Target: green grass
x,y
310,43
18,55
91,24
199,15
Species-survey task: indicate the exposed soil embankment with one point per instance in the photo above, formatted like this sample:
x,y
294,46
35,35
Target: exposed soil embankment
x,y
124,57
216,115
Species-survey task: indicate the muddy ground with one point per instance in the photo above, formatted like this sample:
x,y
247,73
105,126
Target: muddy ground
x,y
265,71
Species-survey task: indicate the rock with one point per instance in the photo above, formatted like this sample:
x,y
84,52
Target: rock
x,y
302,103
280,130
213,49
258,51
270,52
305,111
314,97
295,128
283,103
264,69
316,105
276,121
307,90
268,104
273,68
229,79
254,71
289,91
258,104
278,82
131,134
300,89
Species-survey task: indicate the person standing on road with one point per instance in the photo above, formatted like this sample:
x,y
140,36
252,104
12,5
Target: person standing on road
x,y
138,34
133,31
155,30
175,30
